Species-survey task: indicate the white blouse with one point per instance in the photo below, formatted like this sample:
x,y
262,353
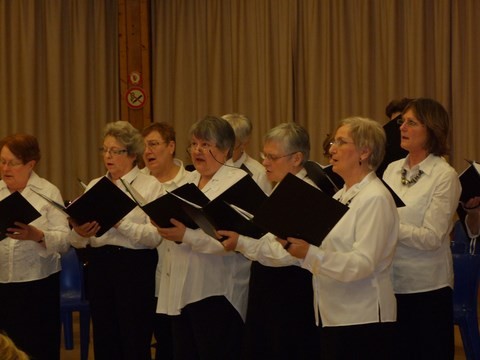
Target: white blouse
x,y
180,179
200,267
24,260
423,261
135,230
352,267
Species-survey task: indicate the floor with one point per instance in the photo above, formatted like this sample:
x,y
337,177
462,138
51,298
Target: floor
x,y
75,353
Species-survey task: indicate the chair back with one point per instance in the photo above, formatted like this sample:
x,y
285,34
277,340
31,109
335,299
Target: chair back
x,y
71,277
466,268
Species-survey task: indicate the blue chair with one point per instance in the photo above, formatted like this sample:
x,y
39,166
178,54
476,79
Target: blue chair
x,y
466,267
72,298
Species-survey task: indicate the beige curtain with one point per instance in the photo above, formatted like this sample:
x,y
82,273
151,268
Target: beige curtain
x,y
465,82
315,62
310,61
221,56
59,82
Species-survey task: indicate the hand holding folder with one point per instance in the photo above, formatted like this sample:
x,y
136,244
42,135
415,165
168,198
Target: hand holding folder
x,y
15,208
104,203
189,205
297,209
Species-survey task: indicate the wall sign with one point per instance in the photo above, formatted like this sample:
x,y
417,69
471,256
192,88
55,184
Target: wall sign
x,y
135,78
135,97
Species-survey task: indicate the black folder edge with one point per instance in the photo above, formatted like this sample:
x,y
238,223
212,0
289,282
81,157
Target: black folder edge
x,y
245,224
17,209
275,214
169,206
51,201
108,218
398,201
470,181
320,177
210,214
246,194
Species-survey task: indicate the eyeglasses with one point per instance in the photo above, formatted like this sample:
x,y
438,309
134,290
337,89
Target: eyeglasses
x,y
112,151
203,147
152,144
409,123
340,142
10,163
273,158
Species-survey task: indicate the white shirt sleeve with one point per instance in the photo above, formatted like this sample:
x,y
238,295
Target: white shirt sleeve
x,y
438,214
367,237
266,250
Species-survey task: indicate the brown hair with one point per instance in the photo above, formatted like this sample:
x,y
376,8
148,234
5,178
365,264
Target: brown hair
x,y
435,118
165,130
396,105
23,146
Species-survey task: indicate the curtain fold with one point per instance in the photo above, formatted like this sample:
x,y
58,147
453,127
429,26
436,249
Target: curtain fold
x,y
217,57
309,61
356,56
465,74
58,65
313,62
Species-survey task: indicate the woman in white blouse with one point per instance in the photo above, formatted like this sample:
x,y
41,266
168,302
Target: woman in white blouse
x,y
160,161
268,326
422,268
352,288
242,127
205,286
122,262
30,254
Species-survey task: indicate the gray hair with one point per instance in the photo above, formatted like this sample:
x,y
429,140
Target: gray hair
x,y
367,133
126,134
217,130
293,137
242,126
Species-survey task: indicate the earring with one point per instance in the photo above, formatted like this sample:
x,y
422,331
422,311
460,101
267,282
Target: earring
x,y
360,162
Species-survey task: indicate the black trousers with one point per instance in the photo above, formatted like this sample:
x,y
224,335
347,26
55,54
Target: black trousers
x,y
30,315
358,342
280,320
162,330
121,290
209,329
425,325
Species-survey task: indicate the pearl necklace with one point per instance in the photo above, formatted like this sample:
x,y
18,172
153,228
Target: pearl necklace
x,y
413,179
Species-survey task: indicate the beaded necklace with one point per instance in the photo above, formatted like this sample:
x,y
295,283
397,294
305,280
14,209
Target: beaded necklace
x,y
413,179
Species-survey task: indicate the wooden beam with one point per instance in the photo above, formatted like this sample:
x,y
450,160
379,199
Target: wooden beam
x,y
134,61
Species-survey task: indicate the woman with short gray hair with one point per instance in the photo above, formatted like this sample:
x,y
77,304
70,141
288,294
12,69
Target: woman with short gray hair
x,y
122,262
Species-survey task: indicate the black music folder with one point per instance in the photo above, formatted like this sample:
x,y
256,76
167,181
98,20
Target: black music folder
x,y
104,203
297,209
322,178
15,208
244,194
189,205
171,206
470,181
398,201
